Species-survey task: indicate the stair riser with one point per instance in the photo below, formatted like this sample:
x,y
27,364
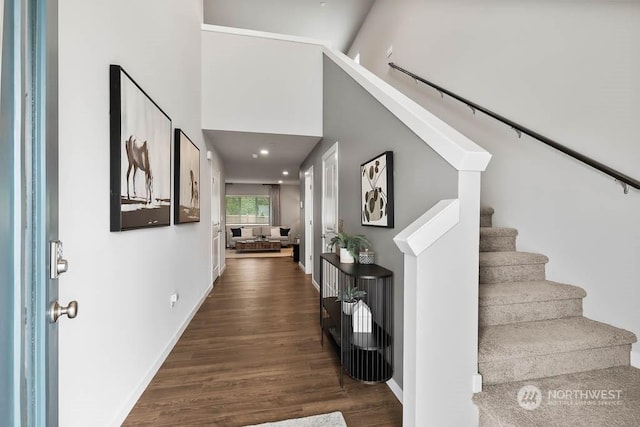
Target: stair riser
x,y
512,273
497,243
502,371
485,220
530,312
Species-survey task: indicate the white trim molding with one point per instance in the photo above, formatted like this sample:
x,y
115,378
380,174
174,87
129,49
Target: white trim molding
x,y
315,284
428,228
395,389
264,35
458,150
477,383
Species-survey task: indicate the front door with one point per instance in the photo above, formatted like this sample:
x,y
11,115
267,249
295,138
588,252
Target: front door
x,y
329,196
29,194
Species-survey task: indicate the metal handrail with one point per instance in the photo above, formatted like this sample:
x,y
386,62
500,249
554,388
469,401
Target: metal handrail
x,y
623,179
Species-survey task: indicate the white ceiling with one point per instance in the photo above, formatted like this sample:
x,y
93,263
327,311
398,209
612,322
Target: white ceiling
x,y
337,22
286,152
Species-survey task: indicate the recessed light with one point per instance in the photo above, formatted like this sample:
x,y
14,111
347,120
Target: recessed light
x,y
254,155
322,3
285,173
264,152
280,181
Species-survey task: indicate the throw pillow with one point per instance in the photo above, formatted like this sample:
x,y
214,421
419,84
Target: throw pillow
x,y
247,232
235,232
275,232
284,231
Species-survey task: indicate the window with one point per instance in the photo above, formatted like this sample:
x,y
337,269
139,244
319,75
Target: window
x,y
248,210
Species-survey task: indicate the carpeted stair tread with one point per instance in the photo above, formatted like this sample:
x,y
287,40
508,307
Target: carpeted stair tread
x,y
524,292
498,232
500,405
498,259
526,339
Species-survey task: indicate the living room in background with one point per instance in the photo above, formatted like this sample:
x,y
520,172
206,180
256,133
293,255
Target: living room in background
x,y
248,210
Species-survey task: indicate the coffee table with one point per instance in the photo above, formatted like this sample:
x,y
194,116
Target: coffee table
x,y
257,246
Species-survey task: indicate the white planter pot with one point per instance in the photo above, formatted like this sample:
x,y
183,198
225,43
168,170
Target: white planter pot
x,y
347,307
346,257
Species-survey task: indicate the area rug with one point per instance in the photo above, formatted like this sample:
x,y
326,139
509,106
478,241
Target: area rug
x,y
334,419
284,252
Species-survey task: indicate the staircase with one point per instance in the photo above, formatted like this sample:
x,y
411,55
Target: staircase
x,y
533,328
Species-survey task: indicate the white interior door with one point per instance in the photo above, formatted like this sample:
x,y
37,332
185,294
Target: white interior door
x,y
308,221
215,224
329,196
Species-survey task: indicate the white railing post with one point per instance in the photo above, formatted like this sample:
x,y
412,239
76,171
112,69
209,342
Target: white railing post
x,y
441,310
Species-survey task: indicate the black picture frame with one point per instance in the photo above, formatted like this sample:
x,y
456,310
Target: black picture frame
x,y
186,179
140,146
376,191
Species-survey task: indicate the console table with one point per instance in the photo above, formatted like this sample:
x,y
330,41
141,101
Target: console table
x,y
363,341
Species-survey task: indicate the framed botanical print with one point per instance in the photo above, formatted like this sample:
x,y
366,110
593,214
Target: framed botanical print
x,y
376,188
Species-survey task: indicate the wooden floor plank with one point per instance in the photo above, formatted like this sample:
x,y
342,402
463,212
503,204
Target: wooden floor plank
x,y
252,354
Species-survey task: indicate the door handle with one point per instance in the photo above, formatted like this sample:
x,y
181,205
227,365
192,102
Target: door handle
x,y
71,311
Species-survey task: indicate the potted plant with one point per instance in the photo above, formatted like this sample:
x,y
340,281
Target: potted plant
x,y
350,298
350,245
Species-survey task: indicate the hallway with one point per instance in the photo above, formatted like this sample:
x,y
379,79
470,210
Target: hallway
x,y
252,354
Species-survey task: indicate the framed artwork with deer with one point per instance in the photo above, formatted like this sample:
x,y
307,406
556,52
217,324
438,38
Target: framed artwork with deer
x,y
186,179
376,188
140,156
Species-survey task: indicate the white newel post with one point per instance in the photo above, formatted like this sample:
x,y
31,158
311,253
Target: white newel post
x,y
441,310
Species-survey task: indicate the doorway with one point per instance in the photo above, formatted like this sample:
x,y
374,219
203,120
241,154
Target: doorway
x,y
330,222
216,225
308,221
29,218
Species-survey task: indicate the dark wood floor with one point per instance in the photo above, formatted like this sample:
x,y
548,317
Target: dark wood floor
x,y
252,354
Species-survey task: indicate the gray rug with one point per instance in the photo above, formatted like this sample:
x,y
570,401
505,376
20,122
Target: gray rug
x,y
334,419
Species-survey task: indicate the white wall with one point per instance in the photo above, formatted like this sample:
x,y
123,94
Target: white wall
x,y
262,85
122,281
565,69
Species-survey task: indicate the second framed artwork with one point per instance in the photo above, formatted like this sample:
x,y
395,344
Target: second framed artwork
x,y
187,179
376,188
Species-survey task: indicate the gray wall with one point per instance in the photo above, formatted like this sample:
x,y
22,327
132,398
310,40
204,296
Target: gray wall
x,y
364,129
290,208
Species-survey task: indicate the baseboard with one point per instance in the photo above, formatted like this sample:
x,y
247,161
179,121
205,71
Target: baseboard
x,y
302,267
153,370
635,359
224,267
395,389
315,284
476,383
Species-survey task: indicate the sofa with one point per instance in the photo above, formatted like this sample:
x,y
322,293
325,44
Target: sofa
x,y
250,232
